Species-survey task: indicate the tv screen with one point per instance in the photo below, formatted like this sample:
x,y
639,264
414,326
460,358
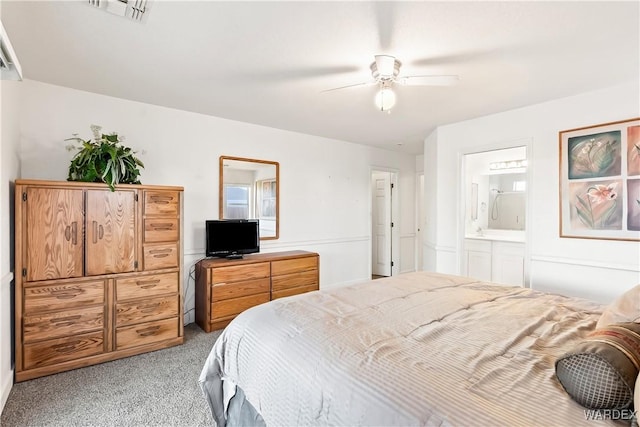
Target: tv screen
x,y
232,238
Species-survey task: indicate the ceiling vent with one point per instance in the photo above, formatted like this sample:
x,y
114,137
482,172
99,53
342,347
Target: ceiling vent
x,y
9,66
136,10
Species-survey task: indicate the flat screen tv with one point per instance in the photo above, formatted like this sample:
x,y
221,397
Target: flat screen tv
x,y
232,238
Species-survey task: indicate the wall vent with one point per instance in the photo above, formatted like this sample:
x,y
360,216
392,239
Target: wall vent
x,y
136,10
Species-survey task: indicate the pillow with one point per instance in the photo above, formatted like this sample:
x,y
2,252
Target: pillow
x,y
626,308
601,371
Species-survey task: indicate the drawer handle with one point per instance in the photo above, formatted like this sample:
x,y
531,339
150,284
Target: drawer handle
x,y
67,233
161,255
66,347
66,320
162,226
148,284
66,293
161,199
151,330
74,230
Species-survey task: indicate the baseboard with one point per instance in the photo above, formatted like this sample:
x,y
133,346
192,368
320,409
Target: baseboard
x,y
6,389
6,381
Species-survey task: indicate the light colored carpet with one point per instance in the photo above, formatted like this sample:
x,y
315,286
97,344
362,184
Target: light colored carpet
x,y
153,389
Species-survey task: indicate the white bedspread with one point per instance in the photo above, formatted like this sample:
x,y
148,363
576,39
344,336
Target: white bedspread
x,y
416,349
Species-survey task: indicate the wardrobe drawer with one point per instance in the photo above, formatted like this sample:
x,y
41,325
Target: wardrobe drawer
x,y
287,266
224,291
161,203
146,286
63,296
62,323
236,273
157,257
146,333
161,230
60,350
235,306
286,281
139,311
293,291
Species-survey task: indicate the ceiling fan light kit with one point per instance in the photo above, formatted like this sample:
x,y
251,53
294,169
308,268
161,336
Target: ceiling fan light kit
x,y
385,99
385,70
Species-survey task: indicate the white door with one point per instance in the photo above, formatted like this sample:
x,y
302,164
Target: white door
x,y
381,221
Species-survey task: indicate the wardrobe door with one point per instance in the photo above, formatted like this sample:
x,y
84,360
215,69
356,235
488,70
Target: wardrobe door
x,y
111,233
53,246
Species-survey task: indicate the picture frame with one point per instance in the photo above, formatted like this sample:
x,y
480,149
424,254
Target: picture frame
x,y
600,181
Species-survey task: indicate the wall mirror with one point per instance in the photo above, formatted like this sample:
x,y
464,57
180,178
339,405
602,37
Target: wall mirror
x,y
249,189
496,190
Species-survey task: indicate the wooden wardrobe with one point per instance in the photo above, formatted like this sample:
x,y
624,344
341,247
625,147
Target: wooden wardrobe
x,y
98,273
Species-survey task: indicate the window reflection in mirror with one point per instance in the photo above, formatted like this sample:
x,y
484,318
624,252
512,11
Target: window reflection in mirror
x,y
249,189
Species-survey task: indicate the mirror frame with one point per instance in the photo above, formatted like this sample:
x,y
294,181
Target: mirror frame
x,y
221,189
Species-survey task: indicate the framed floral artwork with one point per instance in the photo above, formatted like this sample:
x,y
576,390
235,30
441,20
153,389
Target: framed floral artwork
x,y
600,181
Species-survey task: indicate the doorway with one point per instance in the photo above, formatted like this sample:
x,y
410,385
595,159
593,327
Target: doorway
x,y
421,223
494,201
382,223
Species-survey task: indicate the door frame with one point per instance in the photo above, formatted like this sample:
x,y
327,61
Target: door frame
x,y
421,226
395,208
526,142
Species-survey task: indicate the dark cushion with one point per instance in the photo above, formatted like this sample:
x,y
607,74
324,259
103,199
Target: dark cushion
x,y
601,371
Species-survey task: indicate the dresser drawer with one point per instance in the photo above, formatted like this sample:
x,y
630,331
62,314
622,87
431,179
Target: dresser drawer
x,y
62,323
235,306
139,311
293,280
157,257
161,230
146,333
60,350
161,203
224,291
287,266
146,286
63,296
236,273
293,291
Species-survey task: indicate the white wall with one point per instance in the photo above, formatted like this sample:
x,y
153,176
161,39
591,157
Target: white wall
x,y
324,189
594,269
10,96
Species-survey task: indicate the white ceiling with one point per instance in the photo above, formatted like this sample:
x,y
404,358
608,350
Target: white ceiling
x,y
267,62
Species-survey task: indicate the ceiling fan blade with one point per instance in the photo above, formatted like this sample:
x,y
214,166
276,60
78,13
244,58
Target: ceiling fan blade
x,y
444,80
351,86
385,17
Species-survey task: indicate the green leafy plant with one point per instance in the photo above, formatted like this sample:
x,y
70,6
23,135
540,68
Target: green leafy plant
x,y
103,159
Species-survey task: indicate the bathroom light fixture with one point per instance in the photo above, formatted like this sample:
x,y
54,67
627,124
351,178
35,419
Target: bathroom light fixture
x,y
509,164
385,99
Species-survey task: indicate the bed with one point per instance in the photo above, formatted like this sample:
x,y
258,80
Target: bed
x,y
415,349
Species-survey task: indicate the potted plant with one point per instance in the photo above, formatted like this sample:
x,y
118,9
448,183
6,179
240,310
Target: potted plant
x,y
103,159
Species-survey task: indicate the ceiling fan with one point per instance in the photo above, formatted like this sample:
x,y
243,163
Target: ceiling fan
x,y
385,71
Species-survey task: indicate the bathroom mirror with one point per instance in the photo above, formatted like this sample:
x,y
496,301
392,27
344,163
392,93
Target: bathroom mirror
x,y
495,191
249,189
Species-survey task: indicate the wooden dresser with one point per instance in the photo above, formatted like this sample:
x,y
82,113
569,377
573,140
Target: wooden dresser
x,y
98,273
227,287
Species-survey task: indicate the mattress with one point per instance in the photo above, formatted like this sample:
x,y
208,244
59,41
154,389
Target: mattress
x,y
415,349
